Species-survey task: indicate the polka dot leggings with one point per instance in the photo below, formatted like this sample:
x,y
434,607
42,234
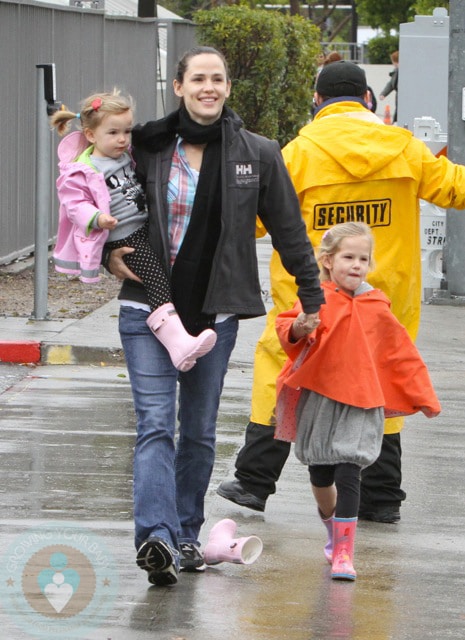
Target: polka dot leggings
x,y
145,263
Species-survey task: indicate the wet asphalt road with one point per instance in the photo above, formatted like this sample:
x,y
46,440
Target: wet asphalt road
x,y
11,373
66,438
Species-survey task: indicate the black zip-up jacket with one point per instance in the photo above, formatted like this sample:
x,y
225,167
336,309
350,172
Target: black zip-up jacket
x,y
254,180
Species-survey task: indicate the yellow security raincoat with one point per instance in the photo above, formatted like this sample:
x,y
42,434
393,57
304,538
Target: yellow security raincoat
x,y
348,165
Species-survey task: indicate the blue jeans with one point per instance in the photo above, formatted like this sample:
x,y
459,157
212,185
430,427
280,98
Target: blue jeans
x,y
171,479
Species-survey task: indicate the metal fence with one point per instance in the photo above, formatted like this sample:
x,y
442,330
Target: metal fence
x,y
91,52
351,51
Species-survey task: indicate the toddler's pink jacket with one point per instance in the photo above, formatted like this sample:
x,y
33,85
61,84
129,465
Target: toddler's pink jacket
x,y
81,192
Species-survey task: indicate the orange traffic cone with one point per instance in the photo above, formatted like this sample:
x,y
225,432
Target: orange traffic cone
x,y
387,115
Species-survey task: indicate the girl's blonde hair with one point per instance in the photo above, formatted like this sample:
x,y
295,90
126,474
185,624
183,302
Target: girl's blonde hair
x,y
331,242
93,110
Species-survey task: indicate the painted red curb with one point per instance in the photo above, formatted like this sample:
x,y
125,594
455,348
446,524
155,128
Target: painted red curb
x,y
20,352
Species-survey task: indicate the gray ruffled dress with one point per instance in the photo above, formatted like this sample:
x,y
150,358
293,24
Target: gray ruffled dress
x,y
329,432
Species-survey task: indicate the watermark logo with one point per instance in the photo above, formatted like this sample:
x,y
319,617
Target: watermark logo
x,y
58,581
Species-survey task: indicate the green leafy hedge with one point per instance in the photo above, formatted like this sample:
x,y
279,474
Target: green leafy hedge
x,y
380,48
272,61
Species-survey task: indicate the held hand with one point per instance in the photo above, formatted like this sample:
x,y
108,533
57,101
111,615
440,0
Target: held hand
x,y
118,267
106,221
304,324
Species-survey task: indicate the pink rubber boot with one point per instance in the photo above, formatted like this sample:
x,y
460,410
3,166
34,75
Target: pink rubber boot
x,y
328,550
183,348
343,548
223,547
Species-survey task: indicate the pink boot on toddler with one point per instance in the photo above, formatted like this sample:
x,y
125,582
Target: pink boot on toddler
x,y
343,548
328,550
183,348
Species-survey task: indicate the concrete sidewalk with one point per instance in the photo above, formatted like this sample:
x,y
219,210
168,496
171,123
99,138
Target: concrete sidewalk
x,y
90,340
93,339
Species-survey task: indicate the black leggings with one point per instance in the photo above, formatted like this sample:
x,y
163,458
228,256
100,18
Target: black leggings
x,y
145,263
346,477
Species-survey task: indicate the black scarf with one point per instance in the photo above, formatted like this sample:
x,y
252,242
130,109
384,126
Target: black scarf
x,y
158,134
191,271
192,268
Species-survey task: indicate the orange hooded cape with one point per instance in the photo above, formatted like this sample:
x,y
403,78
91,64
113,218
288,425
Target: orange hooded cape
x,y
359,355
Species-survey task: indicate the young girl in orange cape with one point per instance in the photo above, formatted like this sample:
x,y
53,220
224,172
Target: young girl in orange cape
x,y
344,374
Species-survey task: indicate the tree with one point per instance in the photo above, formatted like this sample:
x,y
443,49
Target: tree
x,y
327,15
425,7
332,21
322,13
385,15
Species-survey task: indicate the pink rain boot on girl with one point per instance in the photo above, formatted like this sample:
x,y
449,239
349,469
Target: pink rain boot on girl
x,y
223,547
328,550
343,548
183,348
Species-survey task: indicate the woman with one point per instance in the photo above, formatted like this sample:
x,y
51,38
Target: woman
x,y
206,179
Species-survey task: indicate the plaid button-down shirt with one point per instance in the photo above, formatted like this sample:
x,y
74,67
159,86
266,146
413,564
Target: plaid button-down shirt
x,y
181,193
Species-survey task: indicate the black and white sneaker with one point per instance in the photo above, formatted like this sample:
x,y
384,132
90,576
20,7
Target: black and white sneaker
x,y
159,560
191,558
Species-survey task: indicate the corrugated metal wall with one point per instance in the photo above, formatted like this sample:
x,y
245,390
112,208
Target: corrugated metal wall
x,y
91,52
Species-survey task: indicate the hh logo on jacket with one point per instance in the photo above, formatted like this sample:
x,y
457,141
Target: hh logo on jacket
x,y
246,174
375,213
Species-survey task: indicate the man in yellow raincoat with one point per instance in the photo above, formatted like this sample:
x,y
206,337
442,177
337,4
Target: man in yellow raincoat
x,y
348,165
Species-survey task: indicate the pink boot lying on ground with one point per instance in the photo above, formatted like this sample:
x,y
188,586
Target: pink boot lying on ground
x,y
183,348
223,547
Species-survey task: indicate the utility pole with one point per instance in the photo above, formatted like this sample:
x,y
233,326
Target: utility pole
x,y
455,220
46,105
354,32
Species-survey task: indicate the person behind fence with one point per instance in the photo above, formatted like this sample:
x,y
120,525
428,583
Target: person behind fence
x,y
206,179
393,82
101,201
341,380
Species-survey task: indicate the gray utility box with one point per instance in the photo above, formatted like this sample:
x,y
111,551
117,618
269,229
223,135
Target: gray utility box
x,y
423,69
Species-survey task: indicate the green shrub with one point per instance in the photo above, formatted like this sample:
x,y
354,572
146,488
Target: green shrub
x,y
272,64
301,38
380,48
